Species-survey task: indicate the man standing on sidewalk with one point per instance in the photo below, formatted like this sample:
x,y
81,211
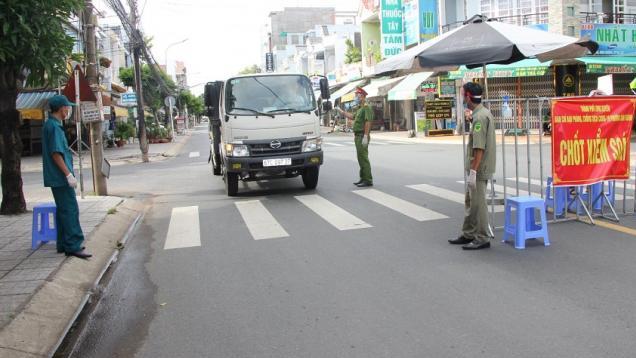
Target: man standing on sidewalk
x,y
361,127
57,165
480,163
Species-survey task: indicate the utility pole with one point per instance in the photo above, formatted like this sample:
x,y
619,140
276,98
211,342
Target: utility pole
x,y
97,150
137,43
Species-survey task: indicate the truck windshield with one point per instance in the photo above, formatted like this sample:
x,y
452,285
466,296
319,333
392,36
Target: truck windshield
x,y
278,94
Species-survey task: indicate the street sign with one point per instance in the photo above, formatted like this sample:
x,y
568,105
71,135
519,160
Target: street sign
x,y
86,93
90,112
128,99
169,101
440,109
269,62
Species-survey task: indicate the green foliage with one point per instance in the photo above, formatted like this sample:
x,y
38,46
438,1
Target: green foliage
x,y
154,93
250,69
33,39
194,103
157,131
124,130
353,54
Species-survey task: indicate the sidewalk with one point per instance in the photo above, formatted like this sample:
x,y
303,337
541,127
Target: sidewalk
x,y
129,153
41,291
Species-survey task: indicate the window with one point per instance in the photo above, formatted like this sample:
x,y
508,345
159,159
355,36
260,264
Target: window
x,y
570,11
269,94
570,30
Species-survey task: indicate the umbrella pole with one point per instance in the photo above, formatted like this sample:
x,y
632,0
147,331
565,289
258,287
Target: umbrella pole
x,y
485,83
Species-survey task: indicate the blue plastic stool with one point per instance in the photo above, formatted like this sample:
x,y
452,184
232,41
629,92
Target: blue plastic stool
x,y
561,196
525,226
41,231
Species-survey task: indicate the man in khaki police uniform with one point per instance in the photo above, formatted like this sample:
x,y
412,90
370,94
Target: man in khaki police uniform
x,y
361,127
480,166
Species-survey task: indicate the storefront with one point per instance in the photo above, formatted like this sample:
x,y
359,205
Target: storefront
x,y
407,99
377,92
33,107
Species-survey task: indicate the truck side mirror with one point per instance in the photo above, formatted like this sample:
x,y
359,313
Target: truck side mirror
x,y
327,106
324,88
210,95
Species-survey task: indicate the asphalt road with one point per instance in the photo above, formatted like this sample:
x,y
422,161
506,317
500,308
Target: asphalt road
x,y
392,288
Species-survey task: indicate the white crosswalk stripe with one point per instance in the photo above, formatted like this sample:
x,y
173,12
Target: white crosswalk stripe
x,y
333,214
183,230
404,207
453,196
259,221
334,144
510,191
194,155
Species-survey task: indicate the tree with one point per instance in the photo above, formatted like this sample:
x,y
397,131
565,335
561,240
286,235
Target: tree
x,y
34,48
154,93
195,104
250,69
353,54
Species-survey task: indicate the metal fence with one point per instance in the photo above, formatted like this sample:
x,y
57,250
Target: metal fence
x,y
524,164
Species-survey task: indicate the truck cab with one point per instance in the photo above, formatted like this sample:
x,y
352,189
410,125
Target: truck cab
x,y
263,127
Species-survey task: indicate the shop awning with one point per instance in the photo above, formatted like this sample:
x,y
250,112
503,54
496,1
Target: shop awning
x,y
344,90
408,88
32,105
614,64
523,68
380,88
121,112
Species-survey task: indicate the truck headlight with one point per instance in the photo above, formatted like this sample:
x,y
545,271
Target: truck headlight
x,y
312,145
237,150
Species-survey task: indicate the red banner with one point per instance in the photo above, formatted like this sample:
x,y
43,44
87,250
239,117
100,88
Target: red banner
x,y
590,139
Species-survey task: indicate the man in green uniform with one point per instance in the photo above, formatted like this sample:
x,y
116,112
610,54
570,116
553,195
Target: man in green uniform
x,y
57,165
480,166
361,127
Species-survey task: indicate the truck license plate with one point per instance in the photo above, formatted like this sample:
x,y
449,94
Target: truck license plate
x,y
276,162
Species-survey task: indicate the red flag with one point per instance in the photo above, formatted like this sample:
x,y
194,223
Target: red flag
x,y
86,93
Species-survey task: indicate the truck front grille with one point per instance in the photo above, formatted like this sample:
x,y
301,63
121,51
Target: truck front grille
x,y
265,149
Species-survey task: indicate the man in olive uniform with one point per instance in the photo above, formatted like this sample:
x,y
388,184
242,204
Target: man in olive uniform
x,y
57,165
480,166
361,127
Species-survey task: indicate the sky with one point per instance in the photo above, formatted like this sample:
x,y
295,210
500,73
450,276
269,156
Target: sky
x,y
223,36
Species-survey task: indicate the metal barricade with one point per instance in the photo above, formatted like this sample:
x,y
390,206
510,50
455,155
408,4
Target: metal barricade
x,y
524,158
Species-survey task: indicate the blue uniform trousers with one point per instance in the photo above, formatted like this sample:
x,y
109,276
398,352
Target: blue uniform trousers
x,y
69,232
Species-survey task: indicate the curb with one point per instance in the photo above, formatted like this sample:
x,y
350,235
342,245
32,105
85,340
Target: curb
x,y
40,328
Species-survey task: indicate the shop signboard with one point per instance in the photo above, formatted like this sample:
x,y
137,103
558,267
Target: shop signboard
x,y
392,38
498,72
439,109
613,39
269,62
429,25
411,22
591,139
428,87
128,99
90,112
610,68
447,88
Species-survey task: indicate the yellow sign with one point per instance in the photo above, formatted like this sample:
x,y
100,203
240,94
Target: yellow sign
x,y
568,80
37,114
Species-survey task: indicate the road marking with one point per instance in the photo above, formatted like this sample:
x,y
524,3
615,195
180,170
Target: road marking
x,y
404,207
379,143
510,191
184,229
448,195
611,226
333,214
194,154
259,221
334,144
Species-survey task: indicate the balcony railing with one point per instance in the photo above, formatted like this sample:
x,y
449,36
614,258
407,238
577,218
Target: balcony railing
x,y
608,18
521,20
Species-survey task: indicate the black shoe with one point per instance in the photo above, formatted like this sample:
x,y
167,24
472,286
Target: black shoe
x,y
81,254
358,182
364,184
62,251
474,245
460,241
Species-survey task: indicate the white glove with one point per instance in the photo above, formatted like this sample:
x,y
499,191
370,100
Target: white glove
x,y
72,182
472,179
365,140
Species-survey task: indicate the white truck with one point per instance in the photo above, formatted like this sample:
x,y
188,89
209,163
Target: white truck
x,y
264,126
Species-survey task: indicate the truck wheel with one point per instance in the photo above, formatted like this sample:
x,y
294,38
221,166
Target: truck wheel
x,y
216,165
310,177
231,183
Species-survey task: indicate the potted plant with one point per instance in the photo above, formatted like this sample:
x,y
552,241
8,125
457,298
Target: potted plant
x,y
122,131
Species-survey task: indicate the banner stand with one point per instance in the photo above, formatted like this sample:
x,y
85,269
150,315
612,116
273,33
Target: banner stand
x,y
590,204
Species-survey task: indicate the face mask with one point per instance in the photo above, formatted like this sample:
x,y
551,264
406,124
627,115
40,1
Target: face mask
x,y
356,101
68,114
